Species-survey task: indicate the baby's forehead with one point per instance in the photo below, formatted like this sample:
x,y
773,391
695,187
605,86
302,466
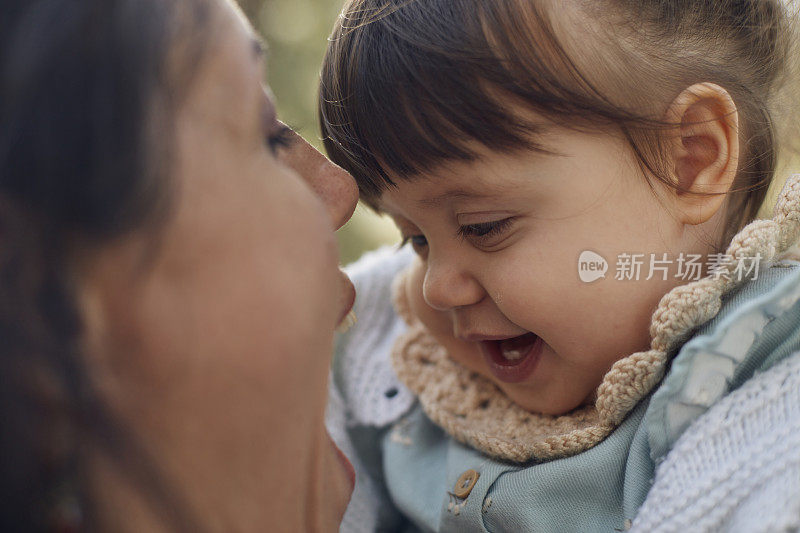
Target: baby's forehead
x,y
470,183
489,174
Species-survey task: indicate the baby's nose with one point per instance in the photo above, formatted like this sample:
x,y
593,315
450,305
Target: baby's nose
x,y
447,287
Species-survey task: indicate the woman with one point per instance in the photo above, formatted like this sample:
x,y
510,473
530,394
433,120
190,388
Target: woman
x,y
169,282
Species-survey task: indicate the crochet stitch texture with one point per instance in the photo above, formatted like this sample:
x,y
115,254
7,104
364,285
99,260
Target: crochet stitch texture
x,y
472,410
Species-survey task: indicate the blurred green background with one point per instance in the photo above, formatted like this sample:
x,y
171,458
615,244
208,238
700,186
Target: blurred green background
x,y
297,33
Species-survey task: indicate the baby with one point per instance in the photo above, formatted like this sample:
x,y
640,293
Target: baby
x,y
577,180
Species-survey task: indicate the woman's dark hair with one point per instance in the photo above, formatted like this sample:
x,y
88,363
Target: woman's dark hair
x,y
409,84
86,92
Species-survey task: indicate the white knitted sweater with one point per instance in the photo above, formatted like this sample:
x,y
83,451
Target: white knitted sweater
x,y
737,468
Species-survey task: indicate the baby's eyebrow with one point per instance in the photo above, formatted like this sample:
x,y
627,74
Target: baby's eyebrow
x,y
457,194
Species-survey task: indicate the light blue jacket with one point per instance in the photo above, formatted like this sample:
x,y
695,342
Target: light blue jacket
x,y
408,467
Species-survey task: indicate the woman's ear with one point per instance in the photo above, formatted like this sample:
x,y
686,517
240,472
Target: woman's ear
x,y
705,150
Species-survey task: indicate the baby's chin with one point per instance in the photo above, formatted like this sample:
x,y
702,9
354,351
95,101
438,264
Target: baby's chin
x,y
533,402
531,397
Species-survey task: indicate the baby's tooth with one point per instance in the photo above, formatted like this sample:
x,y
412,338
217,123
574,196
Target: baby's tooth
x,y
512,355
347,322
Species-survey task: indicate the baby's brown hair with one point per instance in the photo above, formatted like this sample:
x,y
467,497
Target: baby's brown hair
x,y
408,84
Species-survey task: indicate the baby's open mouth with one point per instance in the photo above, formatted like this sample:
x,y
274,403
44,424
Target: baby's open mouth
x,y
512,360
515,349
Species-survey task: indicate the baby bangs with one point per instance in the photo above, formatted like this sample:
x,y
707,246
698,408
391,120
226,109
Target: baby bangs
x,y
409,84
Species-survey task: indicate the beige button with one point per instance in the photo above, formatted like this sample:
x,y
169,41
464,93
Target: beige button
x,y
465,483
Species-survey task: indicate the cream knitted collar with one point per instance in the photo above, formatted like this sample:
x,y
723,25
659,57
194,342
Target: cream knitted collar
x,y
471,409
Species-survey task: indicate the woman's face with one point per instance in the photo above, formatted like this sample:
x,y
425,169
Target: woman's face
x,y
215,352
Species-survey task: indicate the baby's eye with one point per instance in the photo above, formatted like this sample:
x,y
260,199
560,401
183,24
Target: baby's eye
x,y
485,230
418,242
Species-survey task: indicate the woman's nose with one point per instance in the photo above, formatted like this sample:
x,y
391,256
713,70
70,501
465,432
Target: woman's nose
x,y
332,183
446,286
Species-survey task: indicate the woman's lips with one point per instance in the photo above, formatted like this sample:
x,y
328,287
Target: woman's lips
x,y
347,299
522,356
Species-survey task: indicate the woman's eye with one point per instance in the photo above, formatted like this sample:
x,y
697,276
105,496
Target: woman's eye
x,y
279,139
485,230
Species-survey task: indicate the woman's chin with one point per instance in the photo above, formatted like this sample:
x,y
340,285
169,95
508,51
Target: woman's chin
x,y
335,487
346,467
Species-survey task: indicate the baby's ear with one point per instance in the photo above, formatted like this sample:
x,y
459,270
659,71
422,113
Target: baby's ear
x,y
703,149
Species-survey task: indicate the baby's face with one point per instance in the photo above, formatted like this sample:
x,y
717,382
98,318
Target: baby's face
x,y
497,281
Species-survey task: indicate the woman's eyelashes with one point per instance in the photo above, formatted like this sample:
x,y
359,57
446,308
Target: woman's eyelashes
x,y
281,138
